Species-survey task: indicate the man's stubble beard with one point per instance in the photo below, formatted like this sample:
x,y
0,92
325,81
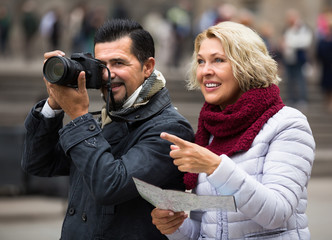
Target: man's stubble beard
x,y
118,104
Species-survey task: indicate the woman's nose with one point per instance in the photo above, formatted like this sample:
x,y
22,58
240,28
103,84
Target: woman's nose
x,y
207,69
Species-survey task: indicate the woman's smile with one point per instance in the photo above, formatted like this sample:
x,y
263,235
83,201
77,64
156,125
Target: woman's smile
x,y
211,86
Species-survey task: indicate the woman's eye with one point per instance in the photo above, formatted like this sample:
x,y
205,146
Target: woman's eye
x,y
219,60
200,61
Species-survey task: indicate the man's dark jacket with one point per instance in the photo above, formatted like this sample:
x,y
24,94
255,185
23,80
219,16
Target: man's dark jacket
x,y
103,202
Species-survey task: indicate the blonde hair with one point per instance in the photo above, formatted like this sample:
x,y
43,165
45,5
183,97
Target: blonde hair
x,y
251,63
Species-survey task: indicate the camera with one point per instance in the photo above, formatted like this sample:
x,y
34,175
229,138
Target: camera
x,y
64,71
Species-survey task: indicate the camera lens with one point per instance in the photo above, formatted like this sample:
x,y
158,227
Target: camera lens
x,y
58,70
55,69
64,71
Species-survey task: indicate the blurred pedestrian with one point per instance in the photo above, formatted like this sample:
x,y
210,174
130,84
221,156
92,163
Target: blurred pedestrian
x,y
5,26
50,29
30,23
297,39
323,27
267,33
162,33
246,17
88,20
226,12
324,55
208,19
180,19
248,144
118,10
76,18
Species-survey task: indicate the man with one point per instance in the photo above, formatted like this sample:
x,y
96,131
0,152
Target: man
x,y
103,202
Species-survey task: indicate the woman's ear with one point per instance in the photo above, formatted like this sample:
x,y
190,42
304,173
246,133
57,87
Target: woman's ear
x,y
148,67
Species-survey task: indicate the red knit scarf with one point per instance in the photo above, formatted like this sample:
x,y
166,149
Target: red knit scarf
x,y
234,128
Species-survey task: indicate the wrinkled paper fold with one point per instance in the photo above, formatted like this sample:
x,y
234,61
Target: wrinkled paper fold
x,y
182,201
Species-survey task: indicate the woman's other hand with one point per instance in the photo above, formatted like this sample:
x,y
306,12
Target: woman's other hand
x,y
166,221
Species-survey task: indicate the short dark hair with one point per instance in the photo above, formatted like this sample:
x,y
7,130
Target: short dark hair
x,y
142,41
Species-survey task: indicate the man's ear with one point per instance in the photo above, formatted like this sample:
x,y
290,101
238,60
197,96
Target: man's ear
x,y
148,67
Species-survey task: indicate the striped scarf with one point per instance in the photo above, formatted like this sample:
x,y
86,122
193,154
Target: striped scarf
x,y
150,87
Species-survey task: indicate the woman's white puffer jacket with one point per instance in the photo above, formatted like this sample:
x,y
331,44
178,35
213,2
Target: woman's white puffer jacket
x,y
269,183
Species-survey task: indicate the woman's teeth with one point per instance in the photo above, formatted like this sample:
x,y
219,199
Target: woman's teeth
x,y
212,85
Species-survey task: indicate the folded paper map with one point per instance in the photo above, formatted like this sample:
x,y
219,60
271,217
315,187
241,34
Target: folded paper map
x,y
182,201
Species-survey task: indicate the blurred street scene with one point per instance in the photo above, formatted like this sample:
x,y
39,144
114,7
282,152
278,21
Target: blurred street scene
x,y
298,34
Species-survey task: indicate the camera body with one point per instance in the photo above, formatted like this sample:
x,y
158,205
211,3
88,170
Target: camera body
x,y
65,71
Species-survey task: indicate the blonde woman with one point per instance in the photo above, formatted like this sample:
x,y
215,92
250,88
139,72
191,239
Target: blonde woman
x,y
248,144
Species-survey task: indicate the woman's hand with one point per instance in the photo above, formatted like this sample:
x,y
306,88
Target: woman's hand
x,y
190,157
166,221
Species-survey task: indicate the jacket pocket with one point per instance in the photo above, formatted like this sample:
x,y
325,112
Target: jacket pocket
x,y
266,235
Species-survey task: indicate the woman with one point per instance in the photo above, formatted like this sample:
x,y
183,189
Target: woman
x,y
248,144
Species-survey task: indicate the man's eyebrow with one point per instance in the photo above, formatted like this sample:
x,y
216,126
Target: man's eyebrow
x,y
117,60
103,62
112,60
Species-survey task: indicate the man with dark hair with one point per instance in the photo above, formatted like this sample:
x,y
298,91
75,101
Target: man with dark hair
x,y
101,157
143,45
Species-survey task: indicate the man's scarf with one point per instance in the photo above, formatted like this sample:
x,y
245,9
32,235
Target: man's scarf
x,y
150,87
234,128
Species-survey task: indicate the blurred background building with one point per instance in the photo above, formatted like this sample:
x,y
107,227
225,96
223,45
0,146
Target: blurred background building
x,y
298,34
34,26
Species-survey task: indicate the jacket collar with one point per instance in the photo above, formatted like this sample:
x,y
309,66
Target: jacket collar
x,y
157,103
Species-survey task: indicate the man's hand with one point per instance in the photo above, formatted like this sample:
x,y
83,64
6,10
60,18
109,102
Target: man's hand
x,y
75,102
166,221
52,102
190,157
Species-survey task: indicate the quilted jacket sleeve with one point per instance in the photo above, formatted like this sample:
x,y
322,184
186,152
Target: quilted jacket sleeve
x,y
286,150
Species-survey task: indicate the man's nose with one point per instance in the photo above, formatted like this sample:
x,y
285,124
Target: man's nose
x,y
107,72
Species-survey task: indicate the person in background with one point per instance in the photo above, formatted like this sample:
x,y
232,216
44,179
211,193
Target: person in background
x,y
248,144
30,22
324,56
297,39
5,27
101,157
